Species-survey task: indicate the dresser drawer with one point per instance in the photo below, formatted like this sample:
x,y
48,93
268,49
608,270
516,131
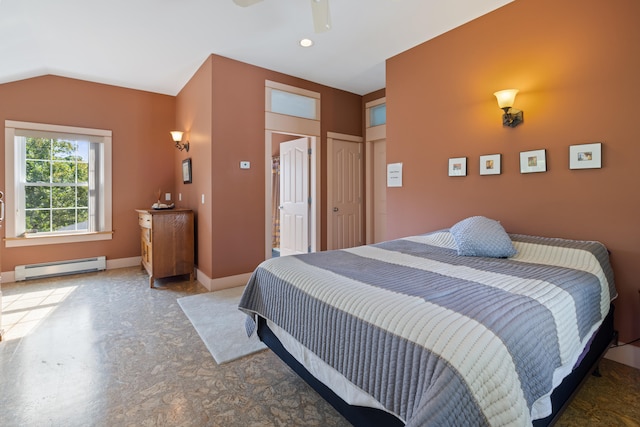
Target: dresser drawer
x,y
144,220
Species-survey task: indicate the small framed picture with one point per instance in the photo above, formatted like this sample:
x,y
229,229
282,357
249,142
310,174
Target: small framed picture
x,y
533,161
458,166
585,156
186,171
490,164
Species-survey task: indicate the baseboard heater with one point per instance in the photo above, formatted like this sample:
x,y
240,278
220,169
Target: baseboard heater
x,y
59,268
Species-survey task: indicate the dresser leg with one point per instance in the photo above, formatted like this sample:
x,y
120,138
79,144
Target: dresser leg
x,y
151,281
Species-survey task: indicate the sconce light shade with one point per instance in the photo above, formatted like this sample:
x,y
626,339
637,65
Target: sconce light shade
x,y
506,98
176,135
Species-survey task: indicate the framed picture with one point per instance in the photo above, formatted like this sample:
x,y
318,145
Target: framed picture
x,y
533,161
490,164
186,171
585,156
458,166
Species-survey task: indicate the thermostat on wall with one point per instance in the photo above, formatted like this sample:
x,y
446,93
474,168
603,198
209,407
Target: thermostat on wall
x,y
245,165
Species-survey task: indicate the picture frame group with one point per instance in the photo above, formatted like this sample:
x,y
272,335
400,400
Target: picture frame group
x,y
581,156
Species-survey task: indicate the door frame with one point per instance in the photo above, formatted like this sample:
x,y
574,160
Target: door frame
x,y
372,134
330,137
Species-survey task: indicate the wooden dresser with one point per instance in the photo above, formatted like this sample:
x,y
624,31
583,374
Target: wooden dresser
x,y
166,242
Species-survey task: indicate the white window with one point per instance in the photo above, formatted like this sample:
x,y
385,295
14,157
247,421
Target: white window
x,y
292,104
58,184
291,101
378,115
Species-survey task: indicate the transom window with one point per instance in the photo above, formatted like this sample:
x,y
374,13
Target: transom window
x,y
292,104
378,115
291,101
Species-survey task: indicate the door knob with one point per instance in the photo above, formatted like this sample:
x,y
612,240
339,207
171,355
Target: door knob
x,y
335,209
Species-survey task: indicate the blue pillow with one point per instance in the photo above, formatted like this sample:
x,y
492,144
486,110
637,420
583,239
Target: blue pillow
x,y
480,236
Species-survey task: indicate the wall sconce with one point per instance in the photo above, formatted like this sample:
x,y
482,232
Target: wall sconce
x,y
176,135
511,116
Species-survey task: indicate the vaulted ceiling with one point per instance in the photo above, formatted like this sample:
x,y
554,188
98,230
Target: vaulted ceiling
x,y
157,45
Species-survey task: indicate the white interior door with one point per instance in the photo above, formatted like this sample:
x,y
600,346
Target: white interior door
x,y
379,201
294,197
345,196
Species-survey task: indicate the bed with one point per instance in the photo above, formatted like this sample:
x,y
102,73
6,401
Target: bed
x,y
429,330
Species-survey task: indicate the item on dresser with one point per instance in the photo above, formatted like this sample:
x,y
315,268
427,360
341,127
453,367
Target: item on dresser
x,y
159,206
166,242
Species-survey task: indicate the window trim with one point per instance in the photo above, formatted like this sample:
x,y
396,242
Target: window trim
x,y
11,183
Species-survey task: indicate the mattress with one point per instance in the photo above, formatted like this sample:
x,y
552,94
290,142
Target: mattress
x,y
435,338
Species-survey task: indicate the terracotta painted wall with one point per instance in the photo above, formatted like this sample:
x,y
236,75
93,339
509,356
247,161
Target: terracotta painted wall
x,y
577,70
194,112
142,156
372,96
236,237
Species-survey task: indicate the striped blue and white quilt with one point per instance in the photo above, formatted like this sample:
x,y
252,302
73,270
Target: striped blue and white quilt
x,y
440,339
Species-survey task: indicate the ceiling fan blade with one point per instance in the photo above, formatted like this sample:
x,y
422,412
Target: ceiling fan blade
x,y
245,3
321,17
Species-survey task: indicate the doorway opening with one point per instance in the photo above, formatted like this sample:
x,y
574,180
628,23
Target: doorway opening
x,y
292,182
376,170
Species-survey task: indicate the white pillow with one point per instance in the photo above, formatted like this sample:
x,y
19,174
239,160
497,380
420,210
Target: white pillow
x,y
480,236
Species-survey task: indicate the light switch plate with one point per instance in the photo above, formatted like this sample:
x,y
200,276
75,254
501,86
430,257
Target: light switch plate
x,y
167,196
245,165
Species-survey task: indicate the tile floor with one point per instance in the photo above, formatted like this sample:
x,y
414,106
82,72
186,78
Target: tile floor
x,y
103,349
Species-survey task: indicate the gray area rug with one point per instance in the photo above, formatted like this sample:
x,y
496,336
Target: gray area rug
x,y
220,324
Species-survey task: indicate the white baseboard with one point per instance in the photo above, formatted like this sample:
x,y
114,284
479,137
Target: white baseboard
x,y
222,282
628,355
210,284
8,276
123,262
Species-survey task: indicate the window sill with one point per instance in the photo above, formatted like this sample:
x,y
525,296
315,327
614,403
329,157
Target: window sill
x,y
35,240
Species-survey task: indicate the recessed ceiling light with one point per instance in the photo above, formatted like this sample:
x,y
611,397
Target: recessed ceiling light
x,y
306,42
